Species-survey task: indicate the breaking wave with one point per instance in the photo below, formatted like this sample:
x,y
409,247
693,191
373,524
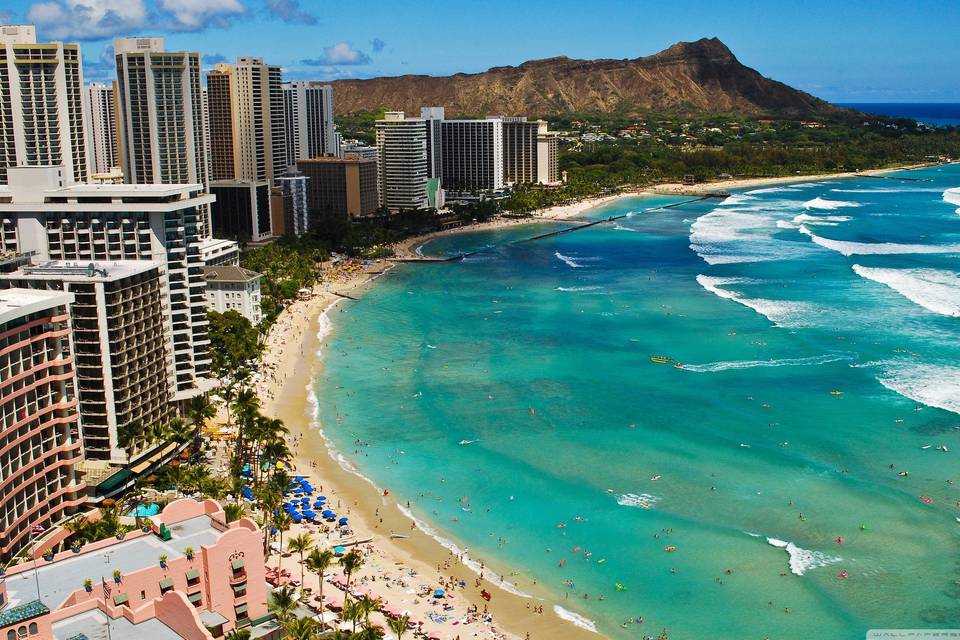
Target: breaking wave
x,y
876,248
802,560
570,262
829,205
934,290
933,385
712,367
642,500
575,618
783,313
952,196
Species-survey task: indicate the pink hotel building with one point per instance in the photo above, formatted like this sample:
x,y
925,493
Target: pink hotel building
x,y
218,587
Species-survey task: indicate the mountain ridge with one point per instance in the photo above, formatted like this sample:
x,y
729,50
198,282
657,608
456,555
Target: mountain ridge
x,y
703,75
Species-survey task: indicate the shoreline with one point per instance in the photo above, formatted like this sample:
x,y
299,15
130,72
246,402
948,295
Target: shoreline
x,y
305,328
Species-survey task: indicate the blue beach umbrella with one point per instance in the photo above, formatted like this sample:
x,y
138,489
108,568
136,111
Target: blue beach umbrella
x,y
328,514
339,550
439,593
344,520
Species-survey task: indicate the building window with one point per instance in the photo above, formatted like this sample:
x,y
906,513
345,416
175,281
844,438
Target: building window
x,y
34,629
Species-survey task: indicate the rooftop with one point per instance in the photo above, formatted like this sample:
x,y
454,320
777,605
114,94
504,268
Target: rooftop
x,y
92,625
83,271
230,273
60,578
16,302
352,159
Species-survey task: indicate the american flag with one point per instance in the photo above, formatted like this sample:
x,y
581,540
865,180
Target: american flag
x,y
106,588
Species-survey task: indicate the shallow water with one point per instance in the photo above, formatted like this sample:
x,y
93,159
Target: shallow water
x,y
773,299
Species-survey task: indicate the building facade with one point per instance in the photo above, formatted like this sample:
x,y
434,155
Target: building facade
x,y
39,420
296,213
218,587
434,117
100,117
161,115
237,289
105,222
402,164
242,210
41,104
472,155
124,371
218,251
308,114
340,187
245,109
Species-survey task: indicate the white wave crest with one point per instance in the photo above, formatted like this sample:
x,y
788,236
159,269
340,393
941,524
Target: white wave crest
x,y
802,560
739,198
620,227
877,248
889,190
772,190
579,289
642,500
933,385
575,618
783,313
829,205
570,262
932,289
952,196
712,367
729,235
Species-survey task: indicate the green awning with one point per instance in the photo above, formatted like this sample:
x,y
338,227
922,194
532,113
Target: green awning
x,y
120,598
194,598
237,588
241,609
193,574
237,564
114,482
166,583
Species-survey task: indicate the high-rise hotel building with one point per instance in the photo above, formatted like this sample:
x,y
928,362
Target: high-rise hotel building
x,y
161,114
472,156
529,152
105,222
100,117
308,112
39,441
41,112
402,162
124,371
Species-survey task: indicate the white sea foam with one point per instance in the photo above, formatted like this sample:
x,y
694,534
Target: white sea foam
x,y
806,218
802,560
952,196
889,190
929,384
642,500
570,262
932,289
575,618
783,313
771,190
729,235
578,289
829,205
739,198
620,227
877,248
712,367
468,562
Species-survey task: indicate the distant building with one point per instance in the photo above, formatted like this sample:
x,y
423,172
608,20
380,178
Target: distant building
x,y
308,114
220,587
241,210
434,117
39,421
104,222
294,187
234,289
367,152
161,115
246,120
529,152
472,155
402,162
218,251
124,369
100,120
41,97
340,187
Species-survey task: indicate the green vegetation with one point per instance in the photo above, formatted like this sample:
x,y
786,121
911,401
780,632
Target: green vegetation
x,y
287,265
234,342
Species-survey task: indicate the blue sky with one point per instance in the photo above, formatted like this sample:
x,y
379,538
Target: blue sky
x,y
841,50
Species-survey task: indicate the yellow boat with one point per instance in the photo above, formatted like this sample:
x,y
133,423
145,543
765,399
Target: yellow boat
x,y
661,359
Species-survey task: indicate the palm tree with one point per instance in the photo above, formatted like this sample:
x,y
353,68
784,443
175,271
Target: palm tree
x,y
367,606
302,629
200,410
129,436
399,625
350,563
239,634
181,432
300,544
281,522
318,562
233,511
282,604
351,612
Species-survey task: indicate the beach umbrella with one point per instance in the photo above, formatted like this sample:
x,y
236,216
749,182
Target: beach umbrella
x,y
296,518
320,498
328,514
344,520
439,593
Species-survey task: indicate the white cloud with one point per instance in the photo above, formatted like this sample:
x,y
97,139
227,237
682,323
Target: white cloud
x,y
86,19
196,15
341,53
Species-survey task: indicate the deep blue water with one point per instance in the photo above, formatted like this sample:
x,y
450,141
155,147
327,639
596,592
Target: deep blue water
x,y
938,114
818,401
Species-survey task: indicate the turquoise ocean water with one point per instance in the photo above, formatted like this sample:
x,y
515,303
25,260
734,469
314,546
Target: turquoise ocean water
x,y
834,513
